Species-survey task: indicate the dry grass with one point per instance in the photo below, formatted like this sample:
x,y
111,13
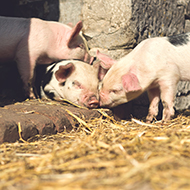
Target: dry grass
x,y
101,154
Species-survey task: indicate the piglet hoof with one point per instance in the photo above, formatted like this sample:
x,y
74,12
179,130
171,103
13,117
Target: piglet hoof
x,y
160,122
147,121
32,96
149,118
168,117
29,93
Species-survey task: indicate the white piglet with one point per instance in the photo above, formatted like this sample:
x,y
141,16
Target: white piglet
x,y
35,41
155,65
73,80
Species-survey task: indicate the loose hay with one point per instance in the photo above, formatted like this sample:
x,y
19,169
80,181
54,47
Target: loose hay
x,y
102,154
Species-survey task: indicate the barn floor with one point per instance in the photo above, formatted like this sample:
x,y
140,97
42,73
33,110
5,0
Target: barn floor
x,y
97,152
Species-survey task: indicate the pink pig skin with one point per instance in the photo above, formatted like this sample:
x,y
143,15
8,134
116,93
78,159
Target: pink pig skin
x,y
155,65
34,41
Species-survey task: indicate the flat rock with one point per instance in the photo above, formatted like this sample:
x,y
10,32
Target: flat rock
x,y
39,117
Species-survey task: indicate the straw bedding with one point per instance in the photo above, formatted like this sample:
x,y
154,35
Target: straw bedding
x,y
101,154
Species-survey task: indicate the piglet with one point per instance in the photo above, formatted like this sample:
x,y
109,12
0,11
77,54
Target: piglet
x,y
73,80
35,41
155,65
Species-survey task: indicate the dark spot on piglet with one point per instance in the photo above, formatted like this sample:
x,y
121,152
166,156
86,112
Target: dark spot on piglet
x,y
41,78
181,39
50,95
62,83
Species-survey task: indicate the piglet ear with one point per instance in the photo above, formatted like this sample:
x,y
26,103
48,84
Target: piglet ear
x,y
130,82
106,61
74,32
101,70
64,72
105,64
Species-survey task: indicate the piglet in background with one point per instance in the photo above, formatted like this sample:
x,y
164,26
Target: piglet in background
x,y
155,65
73,80
34,41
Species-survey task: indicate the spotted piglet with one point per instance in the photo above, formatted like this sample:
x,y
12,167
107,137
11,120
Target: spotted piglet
x,y
73,80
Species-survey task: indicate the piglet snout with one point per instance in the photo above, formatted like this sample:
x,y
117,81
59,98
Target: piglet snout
x,y
92,102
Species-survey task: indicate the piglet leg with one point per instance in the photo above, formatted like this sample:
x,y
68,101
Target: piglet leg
x,y
154,98
167,96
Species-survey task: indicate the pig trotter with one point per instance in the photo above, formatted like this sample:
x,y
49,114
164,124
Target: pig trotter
x,y
154,98
168,112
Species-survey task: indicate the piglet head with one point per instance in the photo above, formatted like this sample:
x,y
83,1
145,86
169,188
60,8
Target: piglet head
x,y
118,85
79,84
119,89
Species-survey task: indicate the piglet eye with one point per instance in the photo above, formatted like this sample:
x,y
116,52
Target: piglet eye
x,y
77,84
115,91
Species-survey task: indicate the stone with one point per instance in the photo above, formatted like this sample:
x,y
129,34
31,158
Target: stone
x,y
70,11
123,24
39,117
106,24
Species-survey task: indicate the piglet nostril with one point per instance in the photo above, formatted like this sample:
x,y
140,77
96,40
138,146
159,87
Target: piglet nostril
x,y
93,102
93,105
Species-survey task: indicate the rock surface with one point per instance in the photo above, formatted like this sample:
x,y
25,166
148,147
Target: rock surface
x,y
39,117
121,24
